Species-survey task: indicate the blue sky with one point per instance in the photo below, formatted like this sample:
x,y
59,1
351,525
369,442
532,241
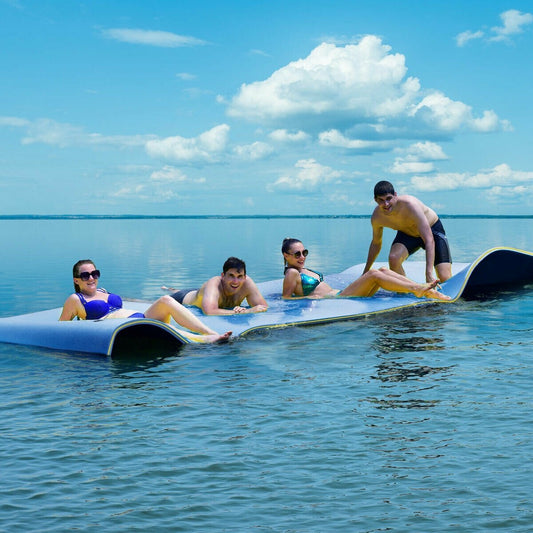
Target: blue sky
x,y
279,107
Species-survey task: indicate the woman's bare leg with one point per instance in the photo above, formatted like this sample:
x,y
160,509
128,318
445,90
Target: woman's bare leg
x,y
371,281
167,307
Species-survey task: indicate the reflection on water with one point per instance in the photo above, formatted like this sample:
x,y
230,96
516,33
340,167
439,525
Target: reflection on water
x,y
392,402
393,371
414,330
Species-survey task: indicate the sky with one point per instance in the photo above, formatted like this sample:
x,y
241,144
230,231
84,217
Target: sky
x,y
264,107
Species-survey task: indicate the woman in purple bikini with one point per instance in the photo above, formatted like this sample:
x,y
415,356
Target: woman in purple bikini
x,y
91,303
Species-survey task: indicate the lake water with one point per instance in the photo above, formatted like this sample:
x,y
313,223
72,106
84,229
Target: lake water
x,y
413,421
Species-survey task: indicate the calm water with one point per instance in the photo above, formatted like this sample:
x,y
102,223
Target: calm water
x,y
415,421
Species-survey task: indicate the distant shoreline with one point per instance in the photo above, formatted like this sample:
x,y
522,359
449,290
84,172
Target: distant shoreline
x,y
200,217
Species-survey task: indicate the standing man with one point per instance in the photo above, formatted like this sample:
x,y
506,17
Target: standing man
x,y
223,295
417,226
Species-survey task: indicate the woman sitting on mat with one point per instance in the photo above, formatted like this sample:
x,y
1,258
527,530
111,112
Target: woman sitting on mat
x,y
300,281
91,303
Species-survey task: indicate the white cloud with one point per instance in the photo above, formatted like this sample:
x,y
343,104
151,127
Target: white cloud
x,y
467,36
128,191
168,174
152,38
257,52
284,135
426,151
206,147
361,86
513,23
14,121
510,192
336,139
50,132
185,76
418,158
309,175
500,176
446,115
402,166
358,79
254,151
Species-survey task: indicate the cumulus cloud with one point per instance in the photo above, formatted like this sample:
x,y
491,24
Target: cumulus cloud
x,y
501,176
336,139
14,121
466,36
206,147
254,151
185,76
358,79
514,22
308,175
426,151
445,115
60,134
418,158
406,166
168,174
285,136
360,85
152,38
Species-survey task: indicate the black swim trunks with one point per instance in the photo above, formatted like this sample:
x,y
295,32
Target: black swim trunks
x,y
179,295
442,248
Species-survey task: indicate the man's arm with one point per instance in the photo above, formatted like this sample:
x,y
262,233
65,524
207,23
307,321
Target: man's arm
x,y
211,297
375,245
254,298
426,234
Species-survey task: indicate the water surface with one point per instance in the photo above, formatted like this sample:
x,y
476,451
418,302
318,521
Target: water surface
x,y
418,420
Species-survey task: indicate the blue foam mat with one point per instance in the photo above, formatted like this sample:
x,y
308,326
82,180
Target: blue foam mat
x,y
495,268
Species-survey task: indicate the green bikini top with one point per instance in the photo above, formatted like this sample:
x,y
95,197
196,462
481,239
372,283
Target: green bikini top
x,y
309,283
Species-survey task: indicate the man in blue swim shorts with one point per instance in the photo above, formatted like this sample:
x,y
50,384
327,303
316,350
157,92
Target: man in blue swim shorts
x,y
224,294
417,226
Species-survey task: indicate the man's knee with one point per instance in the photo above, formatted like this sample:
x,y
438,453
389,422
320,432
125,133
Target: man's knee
x,y
396,258
444,271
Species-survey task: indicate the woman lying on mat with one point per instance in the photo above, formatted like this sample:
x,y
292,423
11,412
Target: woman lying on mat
x,y
91,303
300,281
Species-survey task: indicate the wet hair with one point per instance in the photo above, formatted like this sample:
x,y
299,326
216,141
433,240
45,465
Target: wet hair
x,y
286,246
382,188
234,262
76,270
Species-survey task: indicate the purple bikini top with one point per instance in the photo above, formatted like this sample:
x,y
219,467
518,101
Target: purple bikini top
x,y
96,309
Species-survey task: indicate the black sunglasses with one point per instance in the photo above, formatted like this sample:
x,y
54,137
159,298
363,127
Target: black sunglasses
x,y
298,254
84,276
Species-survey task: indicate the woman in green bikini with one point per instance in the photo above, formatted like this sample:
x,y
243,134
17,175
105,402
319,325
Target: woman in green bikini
x,y
301,282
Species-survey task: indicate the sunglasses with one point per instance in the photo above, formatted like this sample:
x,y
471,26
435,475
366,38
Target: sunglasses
x,y
84,276
299,254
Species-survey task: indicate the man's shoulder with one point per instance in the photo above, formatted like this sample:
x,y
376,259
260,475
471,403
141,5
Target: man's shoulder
x,y
213,283
249,283
409,201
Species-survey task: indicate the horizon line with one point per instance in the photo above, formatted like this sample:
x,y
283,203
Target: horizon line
x,y
214,216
